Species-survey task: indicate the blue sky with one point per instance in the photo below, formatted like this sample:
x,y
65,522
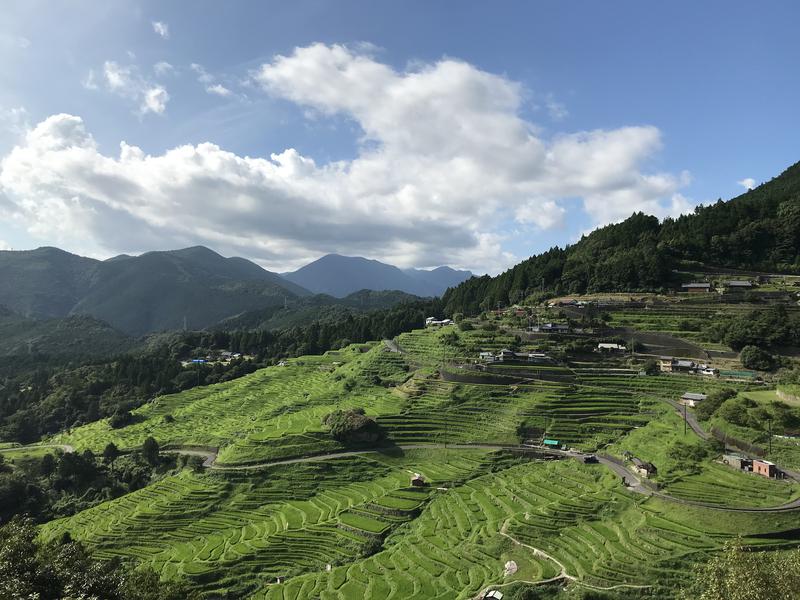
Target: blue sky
x,y
408,132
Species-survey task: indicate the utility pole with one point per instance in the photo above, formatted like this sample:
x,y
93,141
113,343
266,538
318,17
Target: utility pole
x,y
684,419
770,434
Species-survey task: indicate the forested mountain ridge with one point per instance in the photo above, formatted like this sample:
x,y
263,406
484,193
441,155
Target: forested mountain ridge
x,y
759,230
319,307
140,294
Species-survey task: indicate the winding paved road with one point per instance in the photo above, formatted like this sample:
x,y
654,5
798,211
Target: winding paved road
x,y
632,481
63,447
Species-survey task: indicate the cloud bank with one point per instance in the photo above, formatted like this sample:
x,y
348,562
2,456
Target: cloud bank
x,y
445,163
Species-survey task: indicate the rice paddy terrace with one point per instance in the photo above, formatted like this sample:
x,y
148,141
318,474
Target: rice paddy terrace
x,y
288,512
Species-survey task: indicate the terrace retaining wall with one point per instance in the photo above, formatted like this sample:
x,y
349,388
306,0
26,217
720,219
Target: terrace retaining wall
x,y
737,443
786,396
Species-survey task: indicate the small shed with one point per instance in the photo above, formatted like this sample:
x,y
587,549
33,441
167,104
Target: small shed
x,y
418,480
494,595
764,468
692,399
665,364
644,468
551,443
737,461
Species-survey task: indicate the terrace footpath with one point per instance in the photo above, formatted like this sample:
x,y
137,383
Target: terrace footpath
x,y
393,346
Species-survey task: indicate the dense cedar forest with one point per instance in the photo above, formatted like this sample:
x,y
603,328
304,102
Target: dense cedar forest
x,y
759,230
39,401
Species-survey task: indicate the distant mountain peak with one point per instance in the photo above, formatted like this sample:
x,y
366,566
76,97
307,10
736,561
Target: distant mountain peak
x,y
339,276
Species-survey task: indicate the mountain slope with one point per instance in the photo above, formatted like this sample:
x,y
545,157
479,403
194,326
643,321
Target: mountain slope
x,y
70,337
139,294
759,230
46,282
340,276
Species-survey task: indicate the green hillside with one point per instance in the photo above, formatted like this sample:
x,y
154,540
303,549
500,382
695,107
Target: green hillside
x,y
759,230
289,511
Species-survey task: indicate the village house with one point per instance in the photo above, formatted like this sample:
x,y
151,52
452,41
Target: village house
x,y
691,399
493,595
697,287
611,348
667,364
737,286
764,468
433,322
643,468
506,355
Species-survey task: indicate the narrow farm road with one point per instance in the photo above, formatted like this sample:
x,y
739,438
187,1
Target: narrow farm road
x,y
322,457
632,481
209,456
66,448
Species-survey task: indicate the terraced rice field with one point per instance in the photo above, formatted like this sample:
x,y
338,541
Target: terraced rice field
x,y
721,485
352,527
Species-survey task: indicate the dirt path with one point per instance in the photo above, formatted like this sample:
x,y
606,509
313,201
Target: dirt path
x,y
393,346
562,575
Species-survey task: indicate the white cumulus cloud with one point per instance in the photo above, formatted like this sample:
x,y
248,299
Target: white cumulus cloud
x,y
155,100
161,29
163,68
747,183
218,90
445,162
